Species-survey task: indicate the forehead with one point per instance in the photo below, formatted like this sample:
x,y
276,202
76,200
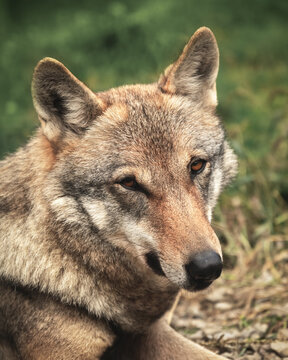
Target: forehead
x,y
145,123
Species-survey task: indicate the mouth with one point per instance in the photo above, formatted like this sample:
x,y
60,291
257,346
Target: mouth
x,y
153,262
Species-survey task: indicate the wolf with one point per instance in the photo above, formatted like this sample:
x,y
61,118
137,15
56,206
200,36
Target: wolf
x,y
106,213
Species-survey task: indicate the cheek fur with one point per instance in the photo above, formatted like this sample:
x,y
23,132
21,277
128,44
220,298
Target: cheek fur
x,y
97,212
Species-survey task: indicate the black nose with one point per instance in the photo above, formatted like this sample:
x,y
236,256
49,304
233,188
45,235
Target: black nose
x,y
205,266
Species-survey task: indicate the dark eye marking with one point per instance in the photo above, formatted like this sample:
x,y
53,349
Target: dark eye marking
x,y
197,166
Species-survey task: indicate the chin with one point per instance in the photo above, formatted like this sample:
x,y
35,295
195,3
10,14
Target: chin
x,y
197,286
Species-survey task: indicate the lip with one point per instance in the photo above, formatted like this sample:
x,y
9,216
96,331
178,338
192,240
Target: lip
x,y
152,260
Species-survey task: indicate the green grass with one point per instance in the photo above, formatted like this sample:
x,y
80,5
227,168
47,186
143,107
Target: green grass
x,y
110,43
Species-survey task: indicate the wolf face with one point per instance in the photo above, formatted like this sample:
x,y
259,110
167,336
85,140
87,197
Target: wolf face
x,y
140,166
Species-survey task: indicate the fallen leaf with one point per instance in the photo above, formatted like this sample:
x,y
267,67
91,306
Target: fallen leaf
x,y
280,348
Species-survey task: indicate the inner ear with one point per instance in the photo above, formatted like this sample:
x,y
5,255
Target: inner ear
x,y
200,57
62,101
58,101
195,72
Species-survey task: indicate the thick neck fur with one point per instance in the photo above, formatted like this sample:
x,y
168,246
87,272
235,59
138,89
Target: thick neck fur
x,y
39,251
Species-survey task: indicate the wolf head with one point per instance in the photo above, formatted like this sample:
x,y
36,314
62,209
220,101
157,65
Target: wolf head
x,y
141,165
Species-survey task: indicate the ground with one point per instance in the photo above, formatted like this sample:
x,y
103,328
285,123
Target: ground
x,y
243,319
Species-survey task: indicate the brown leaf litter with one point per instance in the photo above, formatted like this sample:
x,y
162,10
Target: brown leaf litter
x,y
238,318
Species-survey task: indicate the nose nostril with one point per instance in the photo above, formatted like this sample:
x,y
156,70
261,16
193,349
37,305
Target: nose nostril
x,y
205,266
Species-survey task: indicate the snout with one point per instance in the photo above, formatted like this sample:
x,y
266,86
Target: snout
x,y
202,269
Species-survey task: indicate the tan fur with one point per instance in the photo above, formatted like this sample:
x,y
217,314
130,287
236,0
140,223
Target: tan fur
x,y
90,268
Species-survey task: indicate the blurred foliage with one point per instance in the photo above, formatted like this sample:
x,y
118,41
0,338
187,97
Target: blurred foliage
x,y
108,43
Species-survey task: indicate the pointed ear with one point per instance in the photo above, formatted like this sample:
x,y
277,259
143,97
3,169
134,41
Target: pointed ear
x,y
194,73
64,104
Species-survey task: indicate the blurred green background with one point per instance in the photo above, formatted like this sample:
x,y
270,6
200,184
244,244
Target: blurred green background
x,y
109,43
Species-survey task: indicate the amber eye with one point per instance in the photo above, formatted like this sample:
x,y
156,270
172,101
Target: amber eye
x,y
129,183
197,166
